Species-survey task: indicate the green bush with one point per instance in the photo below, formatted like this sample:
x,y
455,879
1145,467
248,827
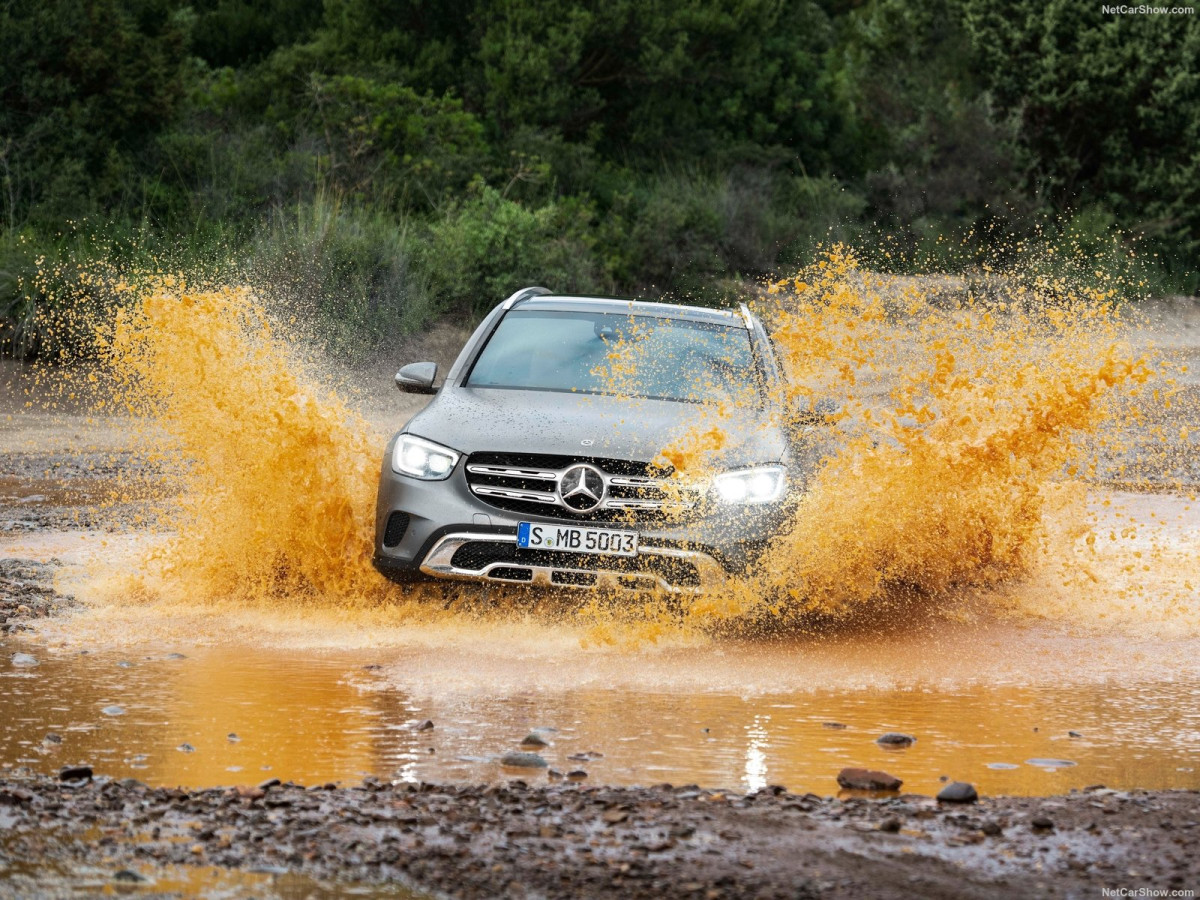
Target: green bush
x,y
487,246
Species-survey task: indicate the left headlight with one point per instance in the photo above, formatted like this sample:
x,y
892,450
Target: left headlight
x,y
422,459
761,484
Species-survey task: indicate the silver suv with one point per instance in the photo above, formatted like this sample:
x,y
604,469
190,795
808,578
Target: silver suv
x,y
538,464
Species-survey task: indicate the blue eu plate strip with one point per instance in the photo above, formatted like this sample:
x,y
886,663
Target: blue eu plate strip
x,y
522,534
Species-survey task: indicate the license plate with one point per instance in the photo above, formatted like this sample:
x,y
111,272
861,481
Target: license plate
x,y
606,541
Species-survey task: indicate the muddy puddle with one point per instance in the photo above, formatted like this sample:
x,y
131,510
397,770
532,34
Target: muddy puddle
x,y
1039,720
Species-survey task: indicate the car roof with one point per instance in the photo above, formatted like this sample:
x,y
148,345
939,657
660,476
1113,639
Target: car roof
x,y
631,307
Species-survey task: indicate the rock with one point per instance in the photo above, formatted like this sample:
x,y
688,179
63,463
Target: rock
x,y
24,660
269,783
176,656
125,664
958,792
890,825
1049,763
523,760
895,739
75,773
427,725
868,780
1074,734
991,828
52,738
834,725
232,737
615,816
533,739
113,710
186,748
555,775
127,875
1041,823
577,775
372,667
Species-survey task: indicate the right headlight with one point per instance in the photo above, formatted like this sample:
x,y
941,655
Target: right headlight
x,y
762,484
423,459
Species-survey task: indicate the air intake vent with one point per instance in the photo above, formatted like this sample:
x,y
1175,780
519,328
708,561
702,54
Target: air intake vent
x,y
397,524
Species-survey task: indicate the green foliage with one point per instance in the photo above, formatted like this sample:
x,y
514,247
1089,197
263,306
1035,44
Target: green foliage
x,y
487,246
1107,108
383,160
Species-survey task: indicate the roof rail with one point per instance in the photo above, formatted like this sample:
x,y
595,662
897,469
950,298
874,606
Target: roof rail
x,y
524,294
744,311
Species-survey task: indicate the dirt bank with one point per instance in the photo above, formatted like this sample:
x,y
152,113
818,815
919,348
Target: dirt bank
x,y
661,842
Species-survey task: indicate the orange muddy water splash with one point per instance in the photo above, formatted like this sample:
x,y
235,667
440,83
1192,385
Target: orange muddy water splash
x,y
970,421
277,475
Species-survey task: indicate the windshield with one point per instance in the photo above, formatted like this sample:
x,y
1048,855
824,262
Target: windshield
x,y
618,355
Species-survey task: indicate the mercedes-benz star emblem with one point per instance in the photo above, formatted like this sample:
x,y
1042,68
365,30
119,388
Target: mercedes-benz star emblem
x,y
581,488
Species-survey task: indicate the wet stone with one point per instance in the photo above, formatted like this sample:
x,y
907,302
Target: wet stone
x,y
427,725
127,875
895,739
577,775
833,725
24,660
232,737
75,773
868,780
523,760
113,710
186,748
1041,823
533,739
958,792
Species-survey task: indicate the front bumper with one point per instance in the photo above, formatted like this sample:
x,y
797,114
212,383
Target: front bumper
x,y
450,533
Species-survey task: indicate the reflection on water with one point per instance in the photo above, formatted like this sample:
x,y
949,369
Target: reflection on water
x,y
312,717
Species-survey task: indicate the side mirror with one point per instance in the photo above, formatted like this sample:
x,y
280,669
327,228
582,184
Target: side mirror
x,y
417,378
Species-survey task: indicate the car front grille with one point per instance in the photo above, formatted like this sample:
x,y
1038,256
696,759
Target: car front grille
x,y
527,483
477,555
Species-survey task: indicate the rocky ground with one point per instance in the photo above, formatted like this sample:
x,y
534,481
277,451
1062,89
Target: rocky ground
x,y
571,841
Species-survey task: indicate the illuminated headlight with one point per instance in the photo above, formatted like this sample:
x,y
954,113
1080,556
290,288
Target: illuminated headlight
x,y
422,459
759,485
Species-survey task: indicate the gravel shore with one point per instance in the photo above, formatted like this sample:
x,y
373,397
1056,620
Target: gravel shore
x,y
571,841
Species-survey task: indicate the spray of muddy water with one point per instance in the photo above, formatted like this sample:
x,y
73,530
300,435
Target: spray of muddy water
x,y
969,423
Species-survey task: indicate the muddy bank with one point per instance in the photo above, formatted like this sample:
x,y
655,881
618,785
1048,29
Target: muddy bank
x,y
27,593
572,841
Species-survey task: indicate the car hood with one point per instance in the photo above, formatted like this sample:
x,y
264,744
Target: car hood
x,y
471,420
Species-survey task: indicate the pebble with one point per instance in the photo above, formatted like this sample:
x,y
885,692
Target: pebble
x,y
577,775
991,828
186,748
1074,734
125,664
1049,763
176,656
113,710
52,738
1041,823
533,739
232,737
24,660
427,725
958,792
895,739
75,773
835,725
868,780
128,875
523,760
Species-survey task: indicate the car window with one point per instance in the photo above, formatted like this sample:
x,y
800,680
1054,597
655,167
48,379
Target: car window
x,y
617,354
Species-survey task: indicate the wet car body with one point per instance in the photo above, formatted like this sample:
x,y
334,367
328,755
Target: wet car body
x,y
488,466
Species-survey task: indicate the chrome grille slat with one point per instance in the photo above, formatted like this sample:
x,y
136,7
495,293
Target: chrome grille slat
x,y
505,472
484,490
